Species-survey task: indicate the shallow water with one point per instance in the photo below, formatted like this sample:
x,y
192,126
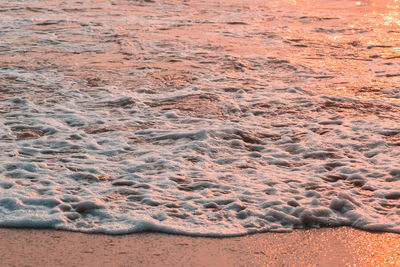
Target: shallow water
x,y
200,117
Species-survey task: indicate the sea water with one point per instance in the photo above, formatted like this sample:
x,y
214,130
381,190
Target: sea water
x,y
199,117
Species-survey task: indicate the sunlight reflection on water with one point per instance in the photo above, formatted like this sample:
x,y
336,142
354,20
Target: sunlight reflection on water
x,y
362,48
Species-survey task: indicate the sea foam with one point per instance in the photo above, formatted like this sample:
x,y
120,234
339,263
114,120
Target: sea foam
x,y
123,118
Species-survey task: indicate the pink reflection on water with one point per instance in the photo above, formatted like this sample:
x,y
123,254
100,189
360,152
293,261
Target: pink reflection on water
x,y
357,42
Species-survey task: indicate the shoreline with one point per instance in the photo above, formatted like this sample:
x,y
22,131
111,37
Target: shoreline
x,y
312,247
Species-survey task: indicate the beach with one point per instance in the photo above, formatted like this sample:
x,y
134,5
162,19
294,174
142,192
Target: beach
x,y
157,132
313,247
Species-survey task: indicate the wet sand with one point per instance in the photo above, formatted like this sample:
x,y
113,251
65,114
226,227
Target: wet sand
x,y
315,247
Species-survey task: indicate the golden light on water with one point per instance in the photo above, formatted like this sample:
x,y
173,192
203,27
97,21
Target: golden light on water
x,y
357,42
393,16
387,12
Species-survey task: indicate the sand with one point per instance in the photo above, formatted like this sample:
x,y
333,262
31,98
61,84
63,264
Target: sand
x,y
314,247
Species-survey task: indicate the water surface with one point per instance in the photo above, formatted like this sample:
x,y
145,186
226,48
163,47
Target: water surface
x,y
199,117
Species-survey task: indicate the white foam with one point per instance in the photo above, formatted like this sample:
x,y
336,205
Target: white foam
x,y
235,142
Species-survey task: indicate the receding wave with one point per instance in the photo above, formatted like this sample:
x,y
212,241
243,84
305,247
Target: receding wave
x,y
198,117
